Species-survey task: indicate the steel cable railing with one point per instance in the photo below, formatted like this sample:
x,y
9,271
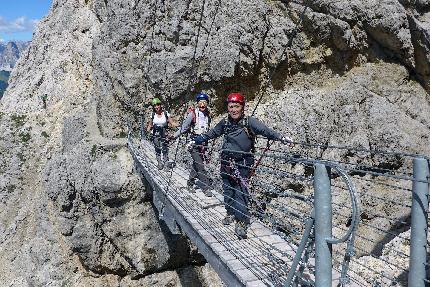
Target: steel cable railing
x,y
394,208
282,195
363,150
260,246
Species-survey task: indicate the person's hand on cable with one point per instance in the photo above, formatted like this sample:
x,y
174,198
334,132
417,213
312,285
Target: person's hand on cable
x,y
288,141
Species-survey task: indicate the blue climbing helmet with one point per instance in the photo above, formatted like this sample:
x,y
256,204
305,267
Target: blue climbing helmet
x,y
202,97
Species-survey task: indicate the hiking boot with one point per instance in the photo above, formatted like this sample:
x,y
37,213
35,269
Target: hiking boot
x,y
160,165
208,192
190,182
190,185
229,219
169,164
241,229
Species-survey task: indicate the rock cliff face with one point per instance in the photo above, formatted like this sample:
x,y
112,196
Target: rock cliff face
x,y
72,210
9,54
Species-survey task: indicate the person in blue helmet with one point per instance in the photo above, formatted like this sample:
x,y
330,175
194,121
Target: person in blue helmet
x,y
197,122
237,158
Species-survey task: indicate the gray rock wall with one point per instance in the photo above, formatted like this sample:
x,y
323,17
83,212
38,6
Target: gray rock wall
x,y
346,72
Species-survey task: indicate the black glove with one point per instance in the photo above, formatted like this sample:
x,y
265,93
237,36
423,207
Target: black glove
x,y
199,140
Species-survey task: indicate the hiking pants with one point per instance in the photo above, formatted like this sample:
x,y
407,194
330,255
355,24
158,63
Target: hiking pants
x,y
198,167
160,142
235,185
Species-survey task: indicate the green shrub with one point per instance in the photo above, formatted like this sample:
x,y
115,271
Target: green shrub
x,y
24,137
122,134
18,120
94,150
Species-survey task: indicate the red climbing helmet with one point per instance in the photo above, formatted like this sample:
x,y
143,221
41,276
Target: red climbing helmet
x,y
236,98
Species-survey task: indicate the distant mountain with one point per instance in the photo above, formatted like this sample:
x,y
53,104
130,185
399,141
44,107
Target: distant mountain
x,y
4,76
9,54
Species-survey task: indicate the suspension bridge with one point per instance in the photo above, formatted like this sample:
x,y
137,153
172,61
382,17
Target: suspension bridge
x,y
307,225
305,218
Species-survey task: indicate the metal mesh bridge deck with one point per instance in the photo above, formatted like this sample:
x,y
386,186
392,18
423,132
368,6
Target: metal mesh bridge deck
x,y
263,259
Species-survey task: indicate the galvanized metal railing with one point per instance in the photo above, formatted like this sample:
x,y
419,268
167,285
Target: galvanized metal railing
x,y
419,226
306,198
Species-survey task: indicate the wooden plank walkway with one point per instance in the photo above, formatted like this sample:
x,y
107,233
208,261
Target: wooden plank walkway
x,y
263,259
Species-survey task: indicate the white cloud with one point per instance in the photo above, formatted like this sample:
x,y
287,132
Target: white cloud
x,y
20,24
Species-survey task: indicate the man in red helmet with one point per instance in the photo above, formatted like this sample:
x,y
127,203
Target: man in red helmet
x,y
237,158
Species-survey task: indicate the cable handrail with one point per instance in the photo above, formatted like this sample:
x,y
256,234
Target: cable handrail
x,y
276,211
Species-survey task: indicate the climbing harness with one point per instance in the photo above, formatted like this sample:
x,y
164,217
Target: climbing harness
x,y
257,163
244,124
234,173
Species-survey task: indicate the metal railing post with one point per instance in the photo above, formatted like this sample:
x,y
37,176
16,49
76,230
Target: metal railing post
x,y
323,226
302,246
420,206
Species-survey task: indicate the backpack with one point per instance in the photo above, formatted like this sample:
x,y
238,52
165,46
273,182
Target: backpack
x,y
248,130
194,120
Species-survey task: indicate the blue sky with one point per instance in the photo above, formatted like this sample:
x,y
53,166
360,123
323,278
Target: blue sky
x,y
18,18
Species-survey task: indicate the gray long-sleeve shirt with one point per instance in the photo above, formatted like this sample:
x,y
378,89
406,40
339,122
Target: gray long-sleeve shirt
x,y
186,124
193,118
236,135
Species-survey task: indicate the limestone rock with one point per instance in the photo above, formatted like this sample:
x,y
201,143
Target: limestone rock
x,y
73,210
